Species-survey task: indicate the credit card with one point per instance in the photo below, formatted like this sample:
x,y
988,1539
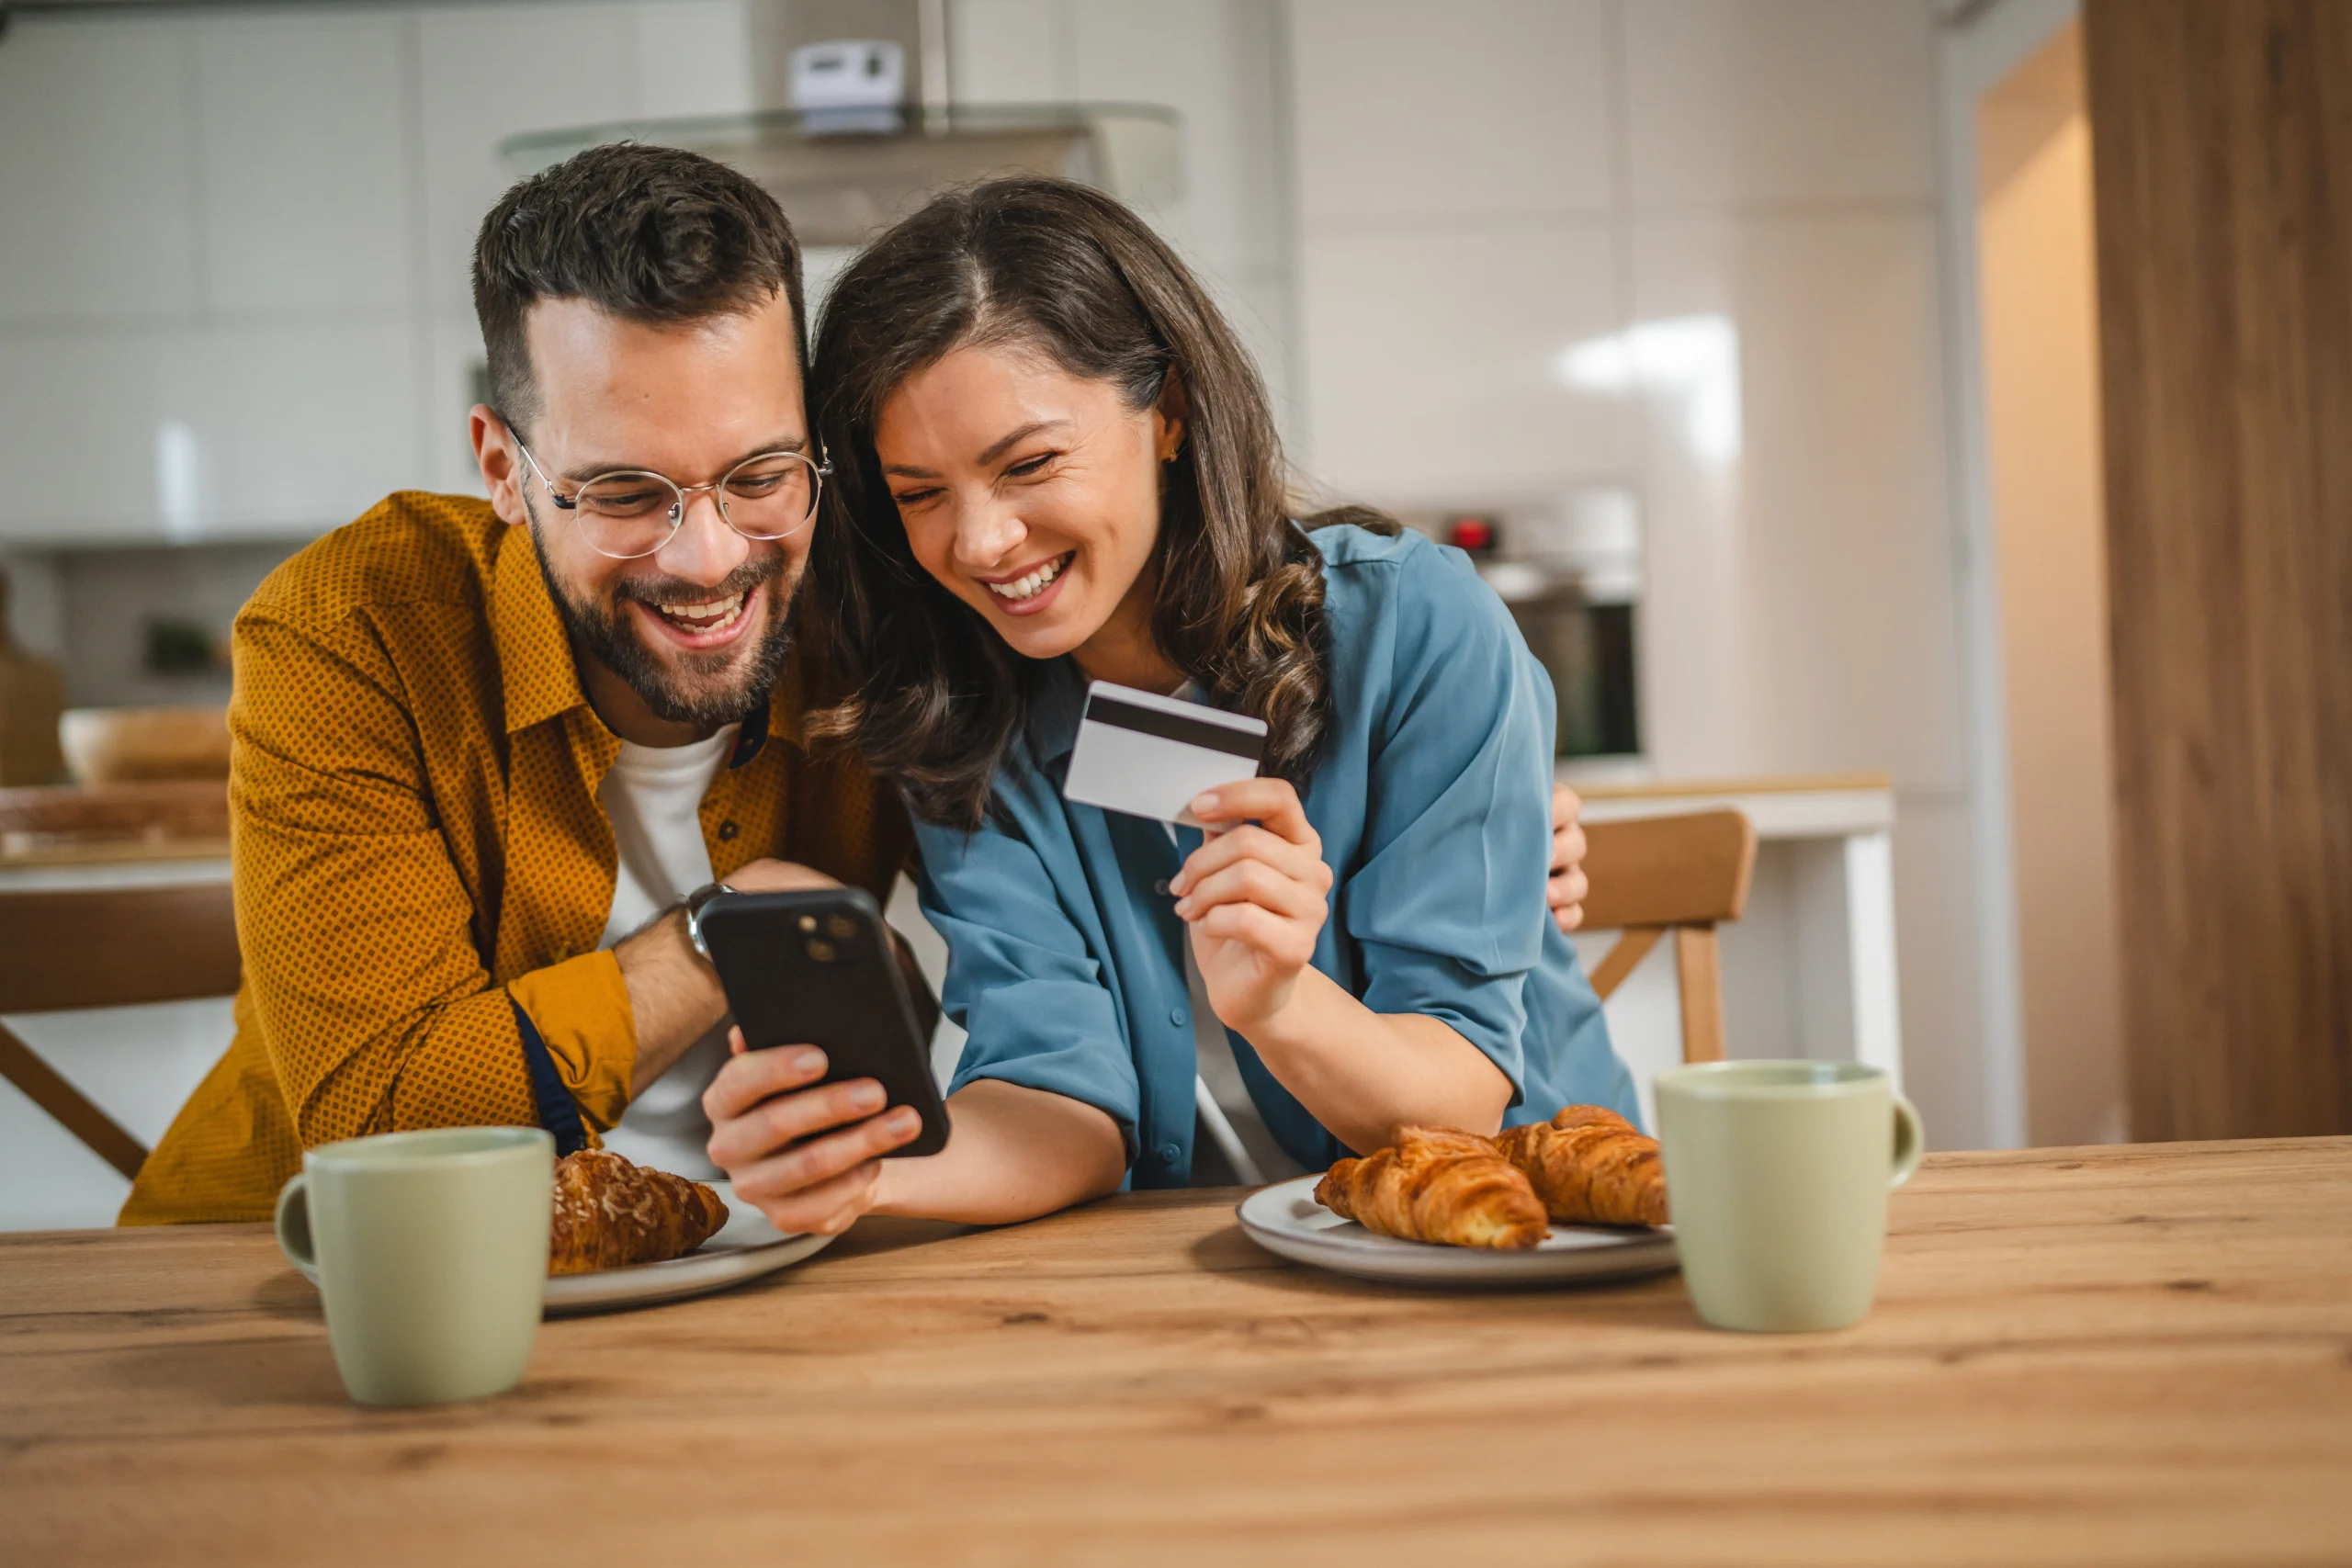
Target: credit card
x,y
1148,755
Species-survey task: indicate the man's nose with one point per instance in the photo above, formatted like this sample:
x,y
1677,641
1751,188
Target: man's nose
x,y
704,549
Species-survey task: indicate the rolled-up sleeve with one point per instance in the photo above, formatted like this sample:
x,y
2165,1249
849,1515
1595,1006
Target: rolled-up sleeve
x,y
1447,899
1022,980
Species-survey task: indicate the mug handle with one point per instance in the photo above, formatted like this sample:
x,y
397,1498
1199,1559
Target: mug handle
x,y
294,1225
1910,1142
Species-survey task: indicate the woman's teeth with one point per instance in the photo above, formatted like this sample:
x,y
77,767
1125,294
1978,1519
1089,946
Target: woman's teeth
x,y
1029,587
715,615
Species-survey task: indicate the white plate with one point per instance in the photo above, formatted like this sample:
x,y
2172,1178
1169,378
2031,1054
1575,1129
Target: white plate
x,y
1286,1219
745,1247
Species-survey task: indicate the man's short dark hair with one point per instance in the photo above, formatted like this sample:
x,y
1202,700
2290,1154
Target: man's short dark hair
x,y
650,234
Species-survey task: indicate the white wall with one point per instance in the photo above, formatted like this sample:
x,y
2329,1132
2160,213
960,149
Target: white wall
x,y
1688,245
2038,293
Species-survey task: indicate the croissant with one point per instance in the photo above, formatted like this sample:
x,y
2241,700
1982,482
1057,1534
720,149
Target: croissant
x,y
1589,1166
1437,1185
610,1214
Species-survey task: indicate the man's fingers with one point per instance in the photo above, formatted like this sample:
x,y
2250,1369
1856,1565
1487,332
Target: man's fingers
x,y
1569,888
1269,801
1566,806
1568,846
751,1077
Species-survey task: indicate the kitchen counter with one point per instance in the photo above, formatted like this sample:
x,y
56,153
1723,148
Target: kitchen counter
x,y
2119,1355
1810,969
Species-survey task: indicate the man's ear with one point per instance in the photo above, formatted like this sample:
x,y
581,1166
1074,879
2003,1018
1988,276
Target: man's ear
x,y
1169,414
500,456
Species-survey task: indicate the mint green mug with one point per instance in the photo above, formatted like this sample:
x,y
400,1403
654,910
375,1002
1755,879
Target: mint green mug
x,y
430,1252
1777,1175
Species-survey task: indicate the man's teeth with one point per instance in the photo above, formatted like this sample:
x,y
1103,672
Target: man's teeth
x,y
1029,587
713,614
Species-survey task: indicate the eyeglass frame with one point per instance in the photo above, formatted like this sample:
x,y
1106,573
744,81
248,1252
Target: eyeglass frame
x,y
717,488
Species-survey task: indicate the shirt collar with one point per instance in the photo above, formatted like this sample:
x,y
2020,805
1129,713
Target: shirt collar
x,y
534,654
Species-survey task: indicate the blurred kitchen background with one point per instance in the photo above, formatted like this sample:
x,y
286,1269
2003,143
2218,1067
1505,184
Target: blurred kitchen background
x,y
1731,334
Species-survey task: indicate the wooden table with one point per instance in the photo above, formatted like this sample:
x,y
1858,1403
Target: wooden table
x,y
2132,1355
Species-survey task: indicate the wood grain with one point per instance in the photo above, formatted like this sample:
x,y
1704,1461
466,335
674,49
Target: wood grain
x,y
1667,871
2222,157
2137,1355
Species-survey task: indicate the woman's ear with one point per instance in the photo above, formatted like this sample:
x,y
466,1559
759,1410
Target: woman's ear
x,y
1168,418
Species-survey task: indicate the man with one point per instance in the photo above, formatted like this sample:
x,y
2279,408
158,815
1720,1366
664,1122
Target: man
x,y
484,751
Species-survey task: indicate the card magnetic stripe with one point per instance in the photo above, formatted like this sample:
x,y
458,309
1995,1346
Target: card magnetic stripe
x,y
1198,732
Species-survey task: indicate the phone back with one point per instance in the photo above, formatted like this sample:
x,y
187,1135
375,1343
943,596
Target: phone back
x,y
816,968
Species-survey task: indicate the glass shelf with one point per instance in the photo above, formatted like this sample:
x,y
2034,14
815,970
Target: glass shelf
x,y
845,175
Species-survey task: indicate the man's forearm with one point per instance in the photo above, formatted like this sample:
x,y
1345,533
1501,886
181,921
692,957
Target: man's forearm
x,y
673,995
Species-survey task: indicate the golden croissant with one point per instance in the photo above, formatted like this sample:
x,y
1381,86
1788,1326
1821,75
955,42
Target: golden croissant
x,y
610,1214
1437,1185
1590,1166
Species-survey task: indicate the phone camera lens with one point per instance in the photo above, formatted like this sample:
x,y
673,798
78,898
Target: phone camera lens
x,y
840,928
821,950
808,922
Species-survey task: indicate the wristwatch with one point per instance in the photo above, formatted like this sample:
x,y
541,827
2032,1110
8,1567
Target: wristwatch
x,y
696,901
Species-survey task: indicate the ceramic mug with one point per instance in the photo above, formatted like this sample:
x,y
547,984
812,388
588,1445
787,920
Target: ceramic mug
x,y
430,1251
1777,1175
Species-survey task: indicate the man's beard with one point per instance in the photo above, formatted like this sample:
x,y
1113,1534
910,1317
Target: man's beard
x,y
604,633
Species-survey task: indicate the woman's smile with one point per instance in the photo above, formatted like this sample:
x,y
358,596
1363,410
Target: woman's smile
x,y
1030,589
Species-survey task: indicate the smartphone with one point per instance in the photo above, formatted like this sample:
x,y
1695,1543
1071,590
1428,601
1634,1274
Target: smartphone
x,y
821,968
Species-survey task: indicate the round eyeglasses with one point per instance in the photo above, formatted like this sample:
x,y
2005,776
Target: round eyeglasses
x,y
633,511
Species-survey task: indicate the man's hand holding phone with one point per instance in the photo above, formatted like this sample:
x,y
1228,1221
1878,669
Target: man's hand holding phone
x,y
810,1158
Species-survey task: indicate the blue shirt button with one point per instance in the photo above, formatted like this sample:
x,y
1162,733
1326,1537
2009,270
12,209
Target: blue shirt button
x,y
1169,1153
1175,1015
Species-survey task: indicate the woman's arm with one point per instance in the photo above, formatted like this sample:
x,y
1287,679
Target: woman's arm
x,y
1254,897
810,1158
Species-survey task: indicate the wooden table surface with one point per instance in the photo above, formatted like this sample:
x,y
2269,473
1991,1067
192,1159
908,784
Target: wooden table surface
x,y
2135,1355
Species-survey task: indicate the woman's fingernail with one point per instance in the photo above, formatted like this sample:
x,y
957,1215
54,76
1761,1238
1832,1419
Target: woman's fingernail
x,y
808,1062
867,1097
1205,803
1183,907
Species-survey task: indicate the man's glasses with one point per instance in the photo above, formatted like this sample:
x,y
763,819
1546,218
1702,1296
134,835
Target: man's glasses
x,y
633,512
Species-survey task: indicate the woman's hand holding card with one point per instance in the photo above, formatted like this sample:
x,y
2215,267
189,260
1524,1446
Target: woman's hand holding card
x,y
1254,897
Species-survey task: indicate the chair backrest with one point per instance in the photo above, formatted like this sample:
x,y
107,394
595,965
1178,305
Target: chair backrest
x,y
107,947
1684,874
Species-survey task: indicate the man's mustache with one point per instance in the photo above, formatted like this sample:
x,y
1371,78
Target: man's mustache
x,y
666,589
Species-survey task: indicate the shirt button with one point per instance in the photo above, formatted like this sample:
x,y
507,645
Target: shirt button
x,y
1168,1153
1175,1015
727,831
1161,887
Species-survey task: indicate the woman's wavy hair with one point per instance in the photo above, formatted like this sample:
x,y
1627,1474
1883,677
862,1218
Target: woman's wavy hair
x,y
935,697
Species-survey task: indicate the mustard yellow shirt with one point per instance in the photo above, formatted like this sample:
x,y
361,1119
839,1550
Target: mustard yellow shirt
x,y
422,867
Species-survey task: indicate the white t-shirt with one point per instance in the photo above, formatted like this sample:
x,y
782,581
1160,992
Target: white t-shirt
x,y
653,799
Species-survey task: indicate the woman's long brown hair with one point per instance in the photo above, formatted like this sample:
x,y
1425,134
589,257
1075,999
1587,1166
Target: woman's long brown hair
x,y
937,696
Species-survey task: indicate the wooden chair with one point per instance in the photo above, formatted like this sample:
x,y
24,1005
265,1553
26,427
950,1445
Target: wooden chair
x,y
1682,875
107,947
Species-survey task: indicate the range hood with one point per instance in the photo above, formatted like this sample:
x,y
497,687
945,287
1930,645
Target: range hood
x,y
842,188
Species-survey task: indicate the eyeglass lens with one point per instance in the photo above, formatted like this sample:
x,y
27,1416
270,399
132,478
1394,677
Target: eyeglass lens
x,y
628,515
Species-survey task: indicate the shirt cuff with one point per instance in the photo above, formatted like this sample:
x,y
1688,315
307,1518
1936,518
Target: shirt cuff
x,y
581,1011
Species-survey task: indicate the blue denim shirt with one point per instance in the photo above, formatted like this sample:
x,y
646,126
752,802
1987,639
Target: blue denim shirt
x,y
1433,800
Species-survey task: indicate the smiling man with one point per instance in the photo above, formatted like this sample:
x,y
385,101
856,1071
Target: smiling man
x,y
483,751
486,750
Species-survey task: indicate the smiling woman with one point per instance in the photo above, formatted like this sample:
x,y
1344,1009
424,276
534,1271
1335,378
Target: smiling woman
x,y
1057,465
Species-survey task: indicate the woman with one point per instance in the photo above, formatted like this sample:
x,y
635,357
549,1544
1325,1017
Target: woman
x,y
1057,466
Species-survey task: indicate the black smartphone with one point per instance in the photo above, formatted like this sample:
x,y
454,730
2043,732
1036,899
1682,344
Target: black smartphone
x,y
821,968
